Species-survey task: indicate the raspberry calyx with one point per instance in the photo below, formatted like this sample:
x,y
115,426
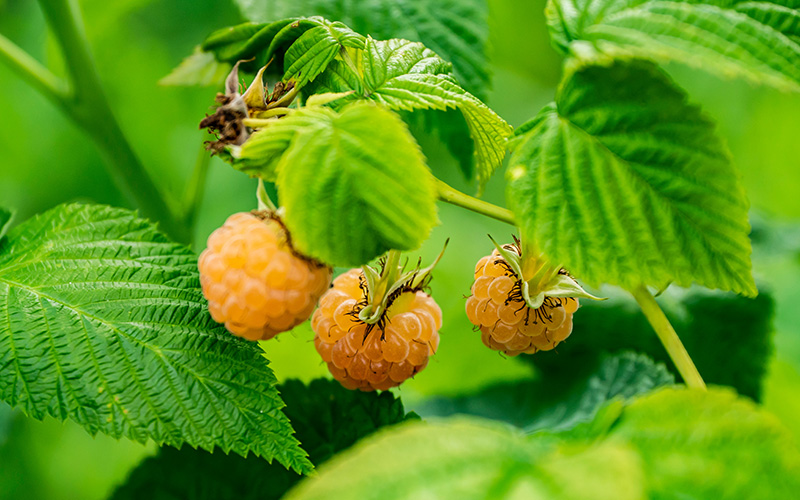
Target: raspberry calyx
x,y
376,329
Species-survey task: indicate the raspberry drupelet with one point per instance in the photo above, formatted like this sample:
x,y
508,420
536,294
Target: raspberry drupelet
x,y
379,356
254,282
506,322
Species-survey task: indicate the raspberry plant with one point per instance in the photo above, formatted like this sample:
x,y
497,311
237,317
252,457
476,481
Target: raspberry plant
x,y
620,181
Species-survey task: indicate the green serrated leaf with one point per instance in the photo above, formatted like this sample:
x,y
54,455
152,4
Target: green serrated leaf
x,y
311,53
457,29
625,182
755,40
260,154
406,76
328,419
5,220
558,401
697,444
355,185
474,459
104,324
200,68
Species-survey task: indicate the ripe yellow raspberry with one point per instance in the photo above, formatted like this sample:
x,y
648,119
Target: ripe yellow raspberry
x,y
380,356
253,280
506,322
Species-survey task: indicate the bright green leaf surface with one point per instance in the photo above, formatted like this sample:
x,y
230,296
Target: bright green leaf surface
x,y
556,401
104,324
311,53
757,40
699,445
355,185
407,76
623,182
455,29
473,459
328,419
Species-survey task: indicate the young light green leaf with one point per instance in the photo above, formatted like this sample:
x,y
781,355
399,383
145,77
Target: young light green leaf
x,y
473,459
354,185
260,154
698,444
104,324
328,419
406,76
625,182
457,29
755,40
200,68
5,220
311,53
559,400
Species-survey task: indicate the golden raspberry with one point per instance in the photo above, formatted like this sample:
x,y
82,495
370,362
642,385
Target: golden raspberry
x,y
253,280
384,355
506,322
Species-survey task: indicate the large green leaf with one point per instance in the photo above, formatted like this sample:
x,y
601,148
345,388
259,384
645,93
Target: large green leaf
x,y
698,445
455,29
670,444
103,323
328,419
474,459
354,185
556,401
623,182
729,337
758,40
407,76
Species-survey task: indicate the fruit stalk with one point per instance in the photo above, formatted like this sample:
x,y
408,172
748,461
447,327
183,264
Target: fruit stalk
x,y
668,337
459,199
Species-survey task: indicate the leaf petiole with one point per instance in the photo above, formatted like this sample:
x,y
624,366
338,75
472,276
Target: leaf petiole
x,y
459,199
668,337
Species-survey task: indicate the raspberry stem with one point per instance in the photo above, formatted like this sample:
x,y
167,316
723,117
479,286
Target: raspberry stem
x,y
667,335
459,199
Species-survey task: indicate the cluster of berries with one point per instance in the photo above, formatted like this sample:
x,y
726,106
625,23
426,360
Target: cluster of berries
x,y
258,286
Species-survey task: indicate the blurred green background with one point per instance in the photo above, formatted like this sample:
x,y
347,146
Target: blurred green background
x,y
47,160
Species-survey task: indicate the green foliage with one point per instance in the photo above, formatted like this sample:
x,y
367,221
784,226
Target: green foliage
x,y
354,185
560,400
729,337
697,445
473,459
455,29
104,324
759,41
406,76
623,182
311,53
5,220
328,419
674,443
312,44
200,68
